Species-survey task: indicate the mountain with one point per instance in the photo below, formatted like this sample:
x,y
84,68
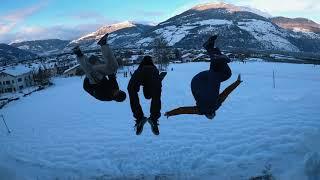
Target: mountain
x,y
10,54
297,24
120,34
42,47
238,28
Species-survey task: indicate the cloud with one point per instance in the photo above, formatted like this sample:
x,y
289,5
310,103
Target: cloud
x,y
150,13
10,21
288,8
285,6
189,5
86,15
54,32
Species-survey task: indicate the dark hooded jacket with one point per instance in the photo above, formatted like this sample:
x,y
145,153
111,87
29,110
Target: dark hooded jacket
x,y
147,76
205,85
104,90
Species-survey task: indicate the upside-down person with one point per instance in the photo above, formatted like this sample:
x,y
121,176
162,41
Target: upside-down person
x,y
100,81
205,86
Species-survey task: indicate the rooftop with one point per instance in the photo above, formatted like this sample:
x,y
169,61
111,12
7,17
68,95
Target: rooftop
x,y
16,70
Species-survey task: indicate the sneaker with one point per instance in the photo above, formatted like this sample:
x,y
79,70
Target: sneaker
x,y
139,125
76,50
154,126
103,40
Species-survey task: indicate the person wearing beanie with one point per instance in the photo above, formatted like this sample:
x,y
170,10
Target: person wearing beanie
x,y
147,75
100,81
205,86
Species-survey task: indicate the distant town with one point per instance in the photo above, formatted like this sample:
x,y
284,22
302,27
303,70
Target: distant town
x,y
25,77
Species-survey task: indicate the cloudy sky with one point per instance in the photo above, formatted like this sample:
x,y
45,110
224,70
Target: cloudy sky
x,y
43,19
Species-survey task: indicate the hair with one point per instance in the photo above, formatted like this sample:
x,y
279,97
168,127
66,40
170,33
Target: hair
x,y
147,60
217,51
120,96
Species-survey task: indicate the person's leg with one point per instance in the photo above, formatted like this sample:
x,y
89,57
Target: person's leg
x,y
109,59
108,56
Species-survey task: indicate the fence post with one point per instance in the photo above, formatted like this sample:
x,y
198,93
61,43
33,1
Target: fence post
x,y
5,124
274,80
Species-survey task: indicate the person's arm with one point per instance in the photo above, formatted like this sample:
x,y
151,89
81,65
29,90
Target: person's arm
x,y
92,75
110,60
133,89
183,110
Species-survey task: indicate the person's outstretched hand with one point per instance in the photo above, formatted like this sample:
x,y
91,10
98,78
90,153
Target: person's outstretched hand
x,y
167,114
239,78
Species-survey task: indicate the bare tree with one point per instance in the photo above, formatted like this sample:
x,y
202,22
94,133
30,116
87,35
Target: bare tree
x,y
42,76
161,51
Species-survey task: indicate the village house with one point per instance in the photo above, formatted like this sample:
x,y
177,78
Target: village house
x,y
201,57
73,71
15,79
187,57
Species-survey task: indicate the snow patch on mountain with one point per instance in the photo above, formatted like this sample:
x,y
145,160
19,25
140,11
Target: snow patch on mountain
x,y
103,30
267,34
145,41
24,47
174,34
231,8
212,22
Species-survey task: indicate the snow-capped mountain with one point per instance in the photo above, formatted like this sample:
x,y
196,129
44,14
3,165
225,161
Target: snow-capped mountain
x,y
11,54
42,47
297,24
120,34
238,28
231,8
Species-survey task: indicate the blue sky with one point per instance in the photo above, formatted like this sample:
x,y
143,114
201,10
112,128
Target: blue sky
x,y
42,19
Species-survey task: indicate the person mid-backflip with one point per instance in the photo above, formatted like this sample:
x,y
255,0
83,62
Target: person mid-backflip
x,y
205,85
100,80
146,75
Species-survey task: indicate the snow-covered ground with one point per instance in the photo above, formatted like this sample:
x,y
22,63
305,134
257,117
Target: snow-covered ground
x,y
64,133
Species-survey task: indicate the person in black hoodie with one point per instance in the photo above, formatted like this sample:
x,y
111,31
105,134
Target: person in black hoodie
x,y
205,86
147,75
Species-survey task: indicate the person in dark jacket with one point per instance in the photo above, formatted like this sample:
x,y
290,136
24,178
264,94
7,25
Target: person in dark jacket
x,y
100,81
205,85
147,76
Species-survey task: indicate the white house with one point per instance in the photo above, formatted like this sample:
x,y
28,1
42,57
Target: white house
x,y
13,79
200,57
187,57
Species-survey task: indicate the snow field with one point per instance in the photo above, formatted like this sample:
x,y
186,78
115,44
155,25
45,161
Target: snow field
x,y
64,133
